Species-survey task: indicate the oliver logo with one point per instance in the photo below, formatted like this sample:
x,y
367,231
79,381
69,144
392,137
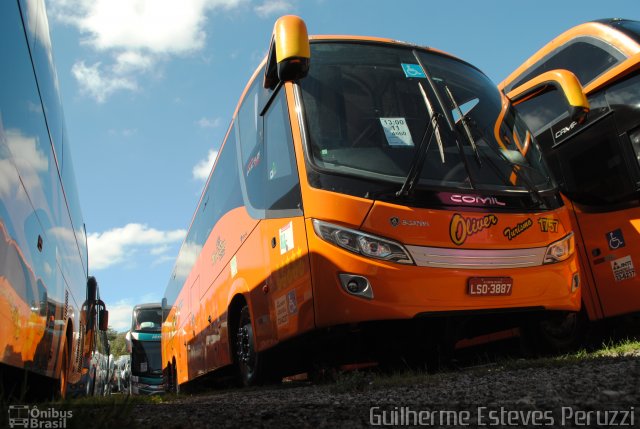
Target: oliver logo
x,y
462,227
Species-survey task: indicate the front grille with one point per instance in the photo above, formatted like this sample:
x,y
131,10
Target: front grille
x,y
476,258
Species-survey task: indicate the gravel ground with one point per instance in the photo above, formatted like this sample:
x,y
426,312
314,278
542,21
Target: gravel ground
x,y
596,392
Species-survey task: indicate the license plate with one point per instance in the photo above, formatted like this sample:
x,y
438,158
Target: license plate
x,y
490,286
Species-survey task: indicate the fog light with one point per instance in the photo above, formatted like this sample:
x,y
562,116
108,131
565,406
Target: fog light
x,y
356,285
575,283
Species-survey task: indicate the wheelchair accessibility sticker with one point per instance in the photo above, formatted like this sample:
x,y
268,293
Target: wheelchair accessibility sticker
x,y
413,70
615,240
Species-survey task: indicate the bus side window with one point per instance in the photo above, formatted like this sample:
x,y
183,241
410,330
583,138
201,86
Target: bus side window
x,y
282,181
251,149
586,57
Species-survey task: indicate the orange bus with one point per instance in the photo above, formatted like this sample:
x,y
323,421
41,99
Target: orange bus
x,y
52,321
595,161
366,191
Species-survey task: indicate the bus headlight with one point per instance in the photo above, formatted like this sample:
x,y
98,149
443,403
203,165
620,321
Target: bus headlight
x,y
560,250
362,243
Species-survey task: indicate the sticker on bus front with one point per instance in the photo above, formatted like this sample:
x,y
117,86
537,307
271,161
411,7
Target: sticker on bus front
x,y
286,238
623,268
413,70
396,131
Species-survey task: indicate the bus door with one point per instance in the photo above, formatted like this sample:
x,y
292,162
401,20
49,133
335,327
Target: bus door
x,y
612,243
284,231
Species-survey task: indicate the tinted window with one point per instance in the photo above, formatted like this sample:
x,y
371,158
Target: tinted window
x,y
586,57
147,319
369,111
283,187
593,167
221,196
543,110
635,142
252,154
248,122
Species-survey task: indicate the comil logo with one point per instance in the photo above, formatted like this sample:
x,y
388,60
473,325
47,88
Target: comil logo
x,y
476,200
25,416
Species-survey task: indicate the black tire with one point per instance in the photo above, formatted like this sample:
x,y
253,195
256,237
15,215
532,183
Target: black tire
x,y
557,332
176,386
249,362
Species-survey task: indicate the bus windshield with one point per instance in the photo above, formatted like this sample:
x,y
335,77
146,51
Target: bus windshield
x,y
147,319
146,358
376,112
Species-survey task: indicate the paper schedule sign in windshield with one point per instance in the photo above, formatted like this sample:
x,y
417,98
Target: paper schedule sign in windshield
x,y
396,131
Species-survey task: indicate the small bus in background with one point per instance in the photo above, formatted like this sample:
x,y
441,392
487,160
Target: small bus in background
x,y
52,321
371,199
596,161
143,343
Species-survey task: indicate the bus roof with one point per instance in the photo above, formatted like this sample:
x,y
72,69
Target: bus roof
x,y
147,305
607,30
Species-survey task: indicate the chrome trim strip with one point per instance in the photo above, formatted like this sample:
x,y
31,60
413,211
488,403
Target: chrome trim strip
x,y
476,258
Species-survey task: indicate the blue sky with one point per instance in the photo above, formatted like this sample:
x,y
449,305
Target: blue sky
x,y
149,87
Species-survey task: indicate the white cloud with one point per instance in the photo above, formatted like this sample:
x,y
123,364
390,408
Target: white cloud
x,y
120,315
136,34
210,123
100,84
202,169
130,61
273,7
116,245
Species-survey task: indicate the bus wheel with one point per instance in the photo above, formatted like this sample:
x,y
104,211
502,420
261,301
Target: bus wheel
x,y
174,376
247,358
560,332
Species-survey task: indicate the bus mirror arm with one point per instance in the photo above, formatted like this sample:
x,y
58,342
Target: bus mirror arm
x,y
561,80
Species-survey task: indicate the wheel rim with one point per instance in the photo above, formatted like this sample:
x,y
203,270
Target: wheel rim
x,y
245,351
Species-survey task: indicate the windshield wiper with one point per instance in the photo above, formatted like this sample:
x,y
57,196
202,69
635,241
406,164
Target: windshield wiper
x,y
434,121
463,120
418,161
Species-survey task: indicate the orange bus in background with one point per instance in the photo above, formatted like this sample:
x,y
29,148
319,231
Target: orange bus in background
x,y
368,192
595,161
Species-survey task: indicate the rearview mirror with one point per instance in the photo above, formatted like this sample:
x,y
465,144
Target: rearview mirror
x,y
564,81
104,319
289,52
92,289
